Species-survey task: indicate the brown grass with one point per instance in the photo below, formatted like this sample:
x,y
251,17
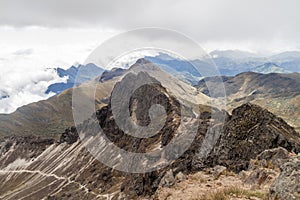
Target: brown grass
x,y
227,193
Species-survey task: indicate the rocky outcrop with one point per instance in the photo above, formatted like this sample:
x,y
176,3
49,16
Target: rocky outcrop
x,y
250,131
69,136
107,75
287,184
264,169
271,158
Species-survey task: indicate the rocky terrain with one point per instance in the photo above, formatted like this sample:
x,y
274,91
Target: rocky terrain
x,y
252,154
265,179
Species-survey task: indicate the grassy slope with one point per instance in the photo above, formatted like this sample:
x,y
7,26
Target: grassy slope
x,y
48,117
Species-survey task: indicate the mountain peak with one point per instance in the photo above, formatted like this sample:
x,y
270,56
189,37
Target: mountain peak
x,y
143,64
142,61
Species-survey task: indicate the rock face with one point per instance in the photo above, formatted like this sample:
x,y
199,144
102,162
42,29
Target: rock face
x,y
141,101
287,185
69,136
250,131
275,157
264,169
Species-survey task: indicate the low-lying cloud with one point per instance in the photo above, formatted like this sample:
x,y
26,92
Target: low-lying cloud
x,y
25,87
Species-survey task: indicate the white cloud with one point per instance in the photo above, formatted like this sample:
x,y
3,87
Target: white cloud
x,y
26,54
24,87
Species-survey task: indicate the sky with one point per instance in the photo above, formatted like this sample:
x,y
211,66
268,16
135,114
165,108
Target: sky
x,y
36,35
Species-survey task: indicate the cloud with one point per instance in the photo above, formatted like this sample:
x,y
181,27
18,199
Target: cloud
x,y
23,52
24,80
203,20
26,53
24,87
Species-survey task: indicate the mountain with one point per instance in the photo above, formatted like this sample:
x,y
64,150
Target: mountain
x,y
288,60
66,170
286,56
108,75
229,62
86,162
87,72
178,88
279,93
232,62
250,131
50,117
181,69
269,68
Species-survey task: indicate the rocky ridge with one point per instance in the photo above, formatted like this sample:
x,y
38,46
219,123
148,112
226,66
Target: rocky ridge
x,y
66,170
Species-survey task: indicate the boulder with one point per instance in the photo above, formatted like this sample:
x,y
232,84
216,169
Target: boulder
x,y
287,184
70,136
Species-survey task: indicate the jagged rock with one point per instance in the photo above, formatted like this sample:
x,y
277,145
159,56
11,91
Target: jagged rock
x,y
168,179
265,168
217,171
274,154
107,75
271,158
250,131
260,176
287,185
180,177
70,136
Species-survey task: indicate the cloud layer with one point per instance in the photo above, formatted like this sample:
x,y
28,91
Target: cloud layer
x,y
203,20
24,87
25,55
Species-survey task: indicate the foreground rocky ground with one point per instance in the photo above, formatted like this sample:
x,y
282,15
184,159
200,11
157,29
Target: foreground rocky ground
x,y
274,174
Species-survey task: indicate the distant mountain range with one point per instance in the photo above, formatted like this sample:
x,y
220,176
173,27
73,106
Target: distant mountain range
x,y
270,68
234,62
229,63
87,72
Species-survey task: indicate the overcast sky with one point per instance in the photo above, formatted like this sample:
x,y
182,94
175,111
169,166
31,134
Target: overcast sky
x,y
273,22
39,34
